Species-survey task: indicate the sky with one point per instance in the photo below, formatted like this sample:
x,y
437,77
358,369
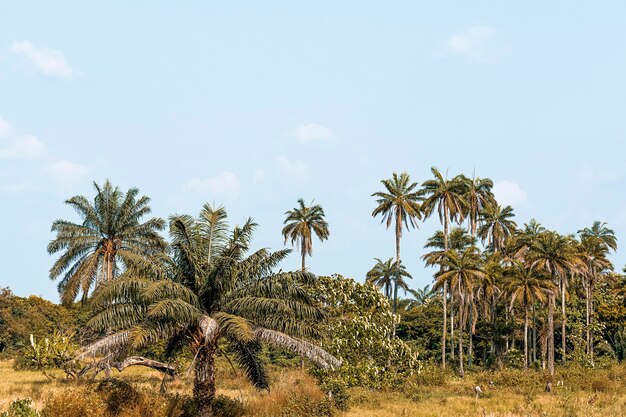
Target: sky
x,y
253,105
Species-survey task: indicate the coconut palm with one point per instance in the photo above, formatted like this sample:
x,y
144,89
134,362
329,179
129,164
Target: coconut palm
x,y
462,271
421,296
300,225
384,276
447,197
233,302
478,194
398,204
110,236
595,243
556,256
525,286
496,226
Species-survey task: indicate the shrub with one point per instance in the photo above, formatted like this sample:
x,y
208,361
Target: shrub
x,y
21,408
224,406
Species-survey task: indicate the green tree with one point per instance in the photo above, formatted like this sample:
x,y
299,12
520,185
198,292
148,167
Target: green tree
x,y
478,195
447,197
188,301
110,237
462,271
496,226
399,203
384,276
300,225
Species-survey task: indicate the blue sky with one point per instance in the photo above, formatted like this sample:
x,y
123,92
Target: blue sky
x,y
255,104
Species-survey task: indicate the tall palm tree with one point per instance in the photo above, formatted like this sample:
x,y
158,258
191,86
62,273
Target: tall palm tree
x,y
555,255
233,301
384,276
462,270
526,287
110,237
447,197
478,196
399,203
595,243
300,225
421,296
496,226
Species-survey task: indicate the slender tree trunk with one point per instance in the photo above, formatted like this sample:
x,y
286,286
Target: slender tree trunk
x,y
204,380
591,291
525,337
564,318
303,250
445,300
551,303
398,235
534,332
461,313
587,322
451,324
470,349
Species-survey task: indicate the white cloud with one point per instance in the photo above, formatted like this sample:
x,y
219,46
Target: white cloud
x,y
24,147
295,169
259,176
67,173
47,61
476,44
509,193
225,183
311,133
4,126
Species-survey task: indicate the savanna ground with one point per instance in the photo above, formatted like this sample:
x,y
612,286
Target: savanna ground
x,y
584,392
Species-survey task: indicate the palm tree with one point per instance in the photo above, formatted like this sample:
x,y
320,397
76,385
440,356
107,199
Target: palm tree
x,y
421,296
554,255
109,238
399,203
300,225
497,225
526,287
448,198
478,196
462,270
189,301
384,276
595,243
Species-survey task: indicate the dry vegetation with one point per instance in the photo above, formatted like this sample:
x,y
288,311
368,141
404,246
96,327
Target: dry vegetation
x,y
294,393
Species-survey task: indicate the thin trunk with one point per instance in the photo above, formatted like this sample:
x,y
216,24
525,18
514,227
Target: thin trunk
x,y
525,337
551,303
445,300
451,324
587,323
470,349
204,380
534,333
564,319
398,234
303,249
461,313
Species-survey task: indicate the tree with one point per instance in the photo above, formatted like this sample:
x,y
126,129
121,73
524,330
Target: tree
x,y
300,225
496,226
384,276
462,270
448,198
187,300
478,196
526,287
555,256
595,243
399,203
110,237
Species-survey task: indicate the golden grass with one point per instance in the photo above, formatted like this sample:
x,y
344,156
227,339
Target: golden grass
x,y
603,395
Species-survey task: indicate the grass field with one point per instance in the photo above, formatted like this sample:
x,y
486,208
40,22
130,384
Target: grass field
x,y
583,393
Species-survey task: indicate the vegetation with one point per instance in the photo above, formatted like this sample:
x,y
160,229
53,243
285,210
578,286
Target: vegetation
x,y
300,225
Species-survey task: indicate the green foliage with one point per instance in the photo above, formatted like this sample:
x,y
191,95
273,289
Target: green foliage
x,y
21,408
57,351
360,331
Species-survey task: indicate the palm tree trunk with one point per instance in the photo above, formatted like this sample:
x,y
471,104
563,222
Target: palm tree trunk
x,y
445,299
461,370
398,234
525,336
534,332
564,319
470,349
587,323
451,324
591,288
204,380
303,250
551,303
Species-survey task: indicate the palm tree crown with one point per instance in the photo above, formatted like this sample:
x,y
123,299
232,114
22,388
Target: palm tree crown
x,y
497,225
300,225
110,237
384,276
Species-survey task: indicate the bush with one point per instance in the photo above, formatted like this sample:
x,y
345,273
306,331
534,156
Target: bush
x,y
224,406
21,408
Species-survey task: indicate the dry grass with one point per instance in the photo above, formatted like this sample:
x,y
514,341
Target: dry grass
x,y
601,394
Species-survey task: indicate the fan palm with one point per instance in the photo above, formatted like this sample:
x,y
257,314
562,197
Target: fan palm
x,y
399,203
496,226
300,225
384,276
187,300
462,271
526,287
595,243
556,256
448,198
110,236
